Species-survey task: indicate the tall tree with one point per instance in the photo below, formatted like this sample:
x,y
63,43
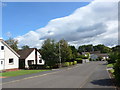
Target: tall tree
x,y
85,48
102,48
74,51
12,43
25,47
116,48
49,53
65,51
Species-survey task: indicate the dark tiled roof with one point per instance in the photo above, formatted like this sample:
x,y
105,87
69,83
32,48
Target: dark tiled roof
x,y
25,53
95,52
102,55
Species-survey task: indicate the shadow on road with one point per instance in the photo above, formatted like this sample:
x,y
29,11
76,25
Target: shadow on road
x,y
103,82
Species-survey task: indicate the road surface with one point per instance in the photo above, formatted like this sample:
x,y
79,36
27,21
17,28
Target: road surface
x,y
88,75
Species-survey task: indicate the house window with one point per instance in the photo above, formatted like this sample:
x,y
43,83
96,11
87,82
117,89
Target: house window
x,y
40,61
2,47
30,62
1,62
11,61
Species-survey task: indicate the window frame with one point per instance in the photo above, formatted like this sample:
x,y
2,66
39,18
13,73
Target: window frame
x,y
40,61
2,47
1,63
12,61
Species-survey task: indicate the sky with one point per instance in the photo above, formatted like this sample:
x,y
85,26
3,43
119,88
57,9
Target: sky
x,y
77,22
25,16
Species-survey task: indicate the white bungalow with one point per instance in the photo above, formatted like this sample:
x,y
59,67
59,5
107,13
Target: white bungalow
x,y
9,59
30,56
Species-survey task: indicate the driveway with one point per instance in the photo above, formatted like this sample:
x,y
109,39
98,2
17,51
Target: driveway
x,y
88,75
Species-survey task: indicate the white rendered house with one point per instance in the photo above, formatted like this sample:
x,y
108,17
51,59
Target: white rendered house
x,y
30,56
9,59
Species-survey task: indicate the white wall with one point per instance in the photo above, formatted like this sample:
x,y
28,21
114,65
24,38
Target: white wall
x,y
9,54
32,57
2,57
1,52
39,57
5,55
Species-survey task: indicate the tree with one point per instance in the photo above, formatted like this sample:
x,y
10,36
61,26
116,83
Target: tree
x,y
65,51
102,48
25,47
113,56
116,48
12,43
49,53
117,70
74,51
85,48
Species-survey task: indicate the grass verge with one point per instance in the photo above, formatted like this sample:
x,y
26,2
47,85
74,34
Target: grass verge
x,y
110,65
111,71
20,72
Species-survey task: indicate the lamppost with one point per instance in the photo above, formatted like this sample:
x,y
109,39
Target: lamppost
x,y
59,55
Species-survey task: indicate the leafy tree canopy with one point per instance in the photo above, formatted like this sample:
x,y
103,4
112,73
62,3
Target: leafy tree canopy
x,y
25,47
12,43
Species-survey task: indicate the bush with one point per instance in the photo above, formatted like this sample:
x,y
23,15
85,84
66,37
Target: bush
x,y
70,63
47,67
75,62
117,71
90,59
83,56
66,64
79,60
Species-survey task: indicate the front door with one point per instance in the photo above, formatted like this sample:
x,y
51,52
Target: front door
x,y
1,64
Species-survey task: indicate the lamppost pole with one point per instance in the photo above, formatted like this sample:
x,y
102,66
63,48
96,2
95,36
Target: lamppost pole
x,y
59,54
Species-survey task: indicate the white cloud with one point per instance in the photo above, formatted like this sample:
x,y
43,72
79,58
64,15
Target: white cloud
x,y
95,23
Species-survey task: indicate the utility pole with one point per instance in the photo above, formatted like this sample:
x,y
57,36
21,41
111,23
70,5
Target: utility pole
x,y
59,54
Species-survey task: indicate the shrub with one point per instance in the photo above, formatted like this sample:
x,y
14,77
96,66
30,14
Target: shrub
x,y
66,64
79,60
117,71
75,62
70,63
47,67
90,59
83,56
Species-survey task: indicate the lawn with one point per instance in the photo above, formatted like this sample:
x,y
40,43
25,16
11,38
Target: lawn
x,y
20,72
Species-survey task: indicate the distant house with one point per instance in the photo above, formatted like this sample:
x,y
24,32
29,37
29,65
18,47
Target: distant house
x,y
30,56
9,59
96,54
103,56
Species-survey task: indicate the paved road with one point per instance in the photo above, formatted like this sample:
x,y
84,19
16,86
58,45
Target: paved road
x,y
88,75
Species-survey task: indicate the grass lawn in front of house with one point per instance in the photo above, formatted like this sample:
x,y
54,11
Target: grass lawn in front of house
x,y
20,72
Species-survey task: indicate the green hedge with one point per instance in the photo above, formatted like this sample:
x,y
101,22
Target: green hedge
x,y
83,57
66,64
117,71
79,60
